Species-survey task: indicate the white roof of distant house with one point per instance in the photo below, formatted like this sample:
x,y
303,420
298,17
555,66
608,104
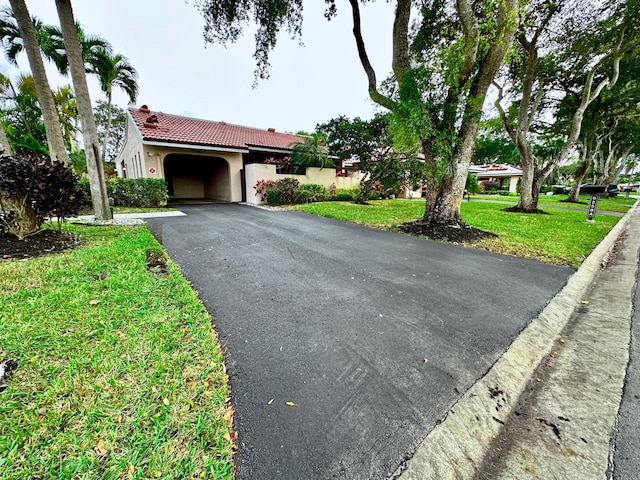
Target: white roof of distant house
x,y
495,170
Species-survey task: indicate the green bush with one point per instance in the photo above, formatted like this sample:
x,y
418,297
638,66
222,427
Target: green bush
x,y
472,185
133,192
287,187
373,195
316,192
344,195
304,196
274,197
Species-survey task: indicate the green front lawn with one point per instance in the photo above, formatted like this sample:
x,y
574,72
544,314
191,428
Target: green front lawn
x,y
562,237
120,375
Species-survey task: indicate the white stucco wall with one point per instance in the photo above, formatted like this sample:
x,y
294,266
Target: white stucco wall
x,y
322,176
131,153
513,184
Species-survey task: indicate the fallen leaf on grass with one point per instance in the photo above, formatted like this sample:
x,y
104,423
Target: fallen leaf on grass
x,y
228,417
290,404
100,449
94,302
33,359
166,401
131,470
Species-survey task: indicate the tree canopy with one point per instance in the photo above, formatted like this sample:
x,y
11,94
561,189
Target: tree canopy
x,y
441,70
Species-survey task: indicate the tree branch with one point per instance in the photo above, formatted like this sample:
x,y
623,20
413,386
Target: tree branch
x,y
471,33
375,95
503,116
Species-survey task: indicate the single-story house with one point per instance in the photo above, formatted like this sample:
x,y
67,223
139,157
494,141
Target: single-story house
x,y
498,173
203,159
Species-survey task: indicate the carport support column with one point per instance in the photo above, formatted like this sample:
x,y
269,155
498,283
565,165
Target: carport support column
x,y
513,185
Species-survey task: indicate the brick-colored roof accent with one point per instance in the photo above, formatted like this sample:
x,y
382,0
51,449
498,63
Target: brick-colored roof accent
x,y
163,127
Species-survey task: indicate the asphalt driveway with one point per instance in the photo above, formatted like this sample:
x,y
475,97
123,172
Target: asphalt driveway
x,y
372,335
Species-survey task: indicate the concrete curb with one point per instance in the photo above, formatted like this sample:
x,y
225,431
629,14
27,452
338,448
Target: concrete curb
x,y
457,446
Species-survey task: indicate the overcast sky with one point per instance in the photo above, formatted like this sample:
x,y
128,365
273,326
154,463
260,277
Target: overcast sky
x,y
178,74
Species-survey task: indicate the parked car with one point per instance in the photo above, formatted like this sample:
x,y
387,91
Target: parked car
x,y
610,190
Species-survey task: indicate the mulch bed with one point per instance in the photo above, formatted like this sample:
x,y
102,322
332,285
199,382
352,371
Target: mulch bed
x,y
457,233
42,242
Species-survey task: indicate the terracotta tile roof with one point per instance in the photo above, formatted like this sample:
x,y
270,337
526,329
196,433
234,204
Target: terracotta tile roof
x,y
163,127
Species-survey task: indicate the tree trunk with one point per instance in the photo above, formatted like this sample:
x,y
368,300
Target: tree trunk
x,y
5,146
95,169
448,197
57,150
579,176
108,129
23,221
528,202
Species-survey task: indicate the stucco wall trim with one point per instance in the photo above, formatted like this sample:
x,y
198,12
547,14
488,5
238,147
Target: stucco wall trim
x,y
269,150
152,143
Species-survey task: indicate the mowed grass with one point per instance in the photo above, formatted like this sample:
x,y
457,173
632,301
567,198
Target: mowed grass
x,y
617,204
562,237
120,375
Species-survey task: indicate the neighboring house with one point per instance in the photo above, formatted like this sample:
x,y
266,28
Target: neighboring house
x,y
499,173
203,159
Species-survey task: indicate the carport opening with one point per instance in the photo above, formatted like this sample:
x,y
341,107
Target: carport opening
x,y
195,177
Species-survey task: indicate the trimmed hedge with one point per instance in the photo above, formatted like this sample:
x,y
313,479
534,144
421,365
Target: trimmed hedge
x,y
133,192
312,192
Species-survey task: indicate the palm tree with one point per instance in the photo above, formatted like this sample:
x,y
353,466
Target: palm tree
x,y
22,117
113,71
50,40
312,152
68,113
87,120
45,97
53,46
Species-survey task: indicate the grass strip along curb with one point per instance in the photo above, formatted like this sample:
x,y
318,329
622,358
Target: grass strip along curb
x,y
119,372
457,446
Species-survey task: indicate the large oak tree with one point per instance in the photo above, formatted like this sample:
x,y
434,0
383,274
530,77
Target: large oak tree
x,y
441,71
565,49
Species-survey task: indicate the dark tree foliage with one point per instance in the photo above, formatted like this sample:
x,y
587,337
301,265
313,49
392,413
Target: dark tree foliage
x,y
225,21
34,189
18,178
369,143
443,62
56,193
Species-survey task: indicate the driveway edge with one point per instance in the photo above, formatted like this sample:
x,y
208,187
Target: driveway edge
x,y
456,447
